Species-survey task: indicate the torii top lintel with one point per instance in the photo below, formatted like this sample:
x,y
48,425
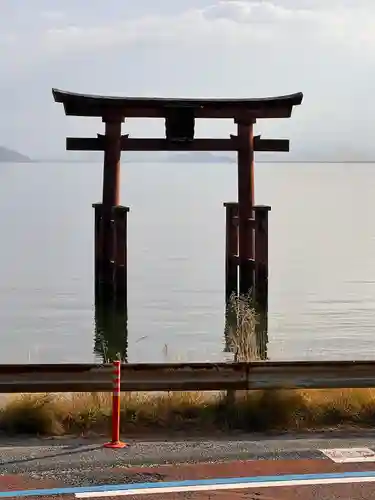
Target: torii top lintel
x,y
145,107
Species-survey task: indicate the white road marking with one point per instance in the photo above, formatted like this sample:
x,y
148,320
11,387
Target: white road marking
x,y
231,486
349,455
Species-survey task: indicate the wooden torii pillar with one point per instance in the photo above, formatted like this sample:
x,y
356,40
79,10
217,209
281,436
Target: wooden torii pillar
x,y
247,244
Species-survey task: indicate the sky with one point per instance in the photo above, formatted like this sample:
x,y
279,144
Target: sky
x,y
189,48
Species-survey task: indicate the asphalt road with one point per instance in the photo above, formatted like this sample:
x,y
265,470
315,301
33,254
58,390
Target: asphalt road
x,y
81,462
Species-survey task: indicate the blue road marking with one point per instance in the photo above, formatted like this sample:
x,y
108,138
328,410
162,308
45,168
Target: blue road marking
x,y
195,482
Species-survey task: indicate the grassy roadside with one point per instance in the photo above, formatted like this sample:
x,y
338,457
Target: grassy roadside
x,y
44,414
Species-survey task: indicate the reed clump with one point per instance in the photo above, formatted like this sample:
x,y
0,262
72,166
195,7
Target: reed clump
x,y
244,334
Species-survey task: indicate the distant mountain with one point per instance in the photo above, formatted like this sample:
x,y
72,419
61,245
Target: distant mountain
x,y
10,156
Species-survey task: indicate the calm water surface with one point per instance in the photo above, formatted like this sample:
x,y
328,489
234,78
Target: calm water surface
x,y
322,260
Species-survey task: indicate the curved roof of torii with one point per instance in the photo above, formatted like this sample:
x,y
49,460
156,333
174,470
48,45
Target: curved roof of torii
x,y
97,105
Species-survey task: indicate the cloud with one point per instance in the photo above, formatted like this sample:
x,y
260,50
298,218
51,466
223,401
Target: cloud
x,y
345,23
257,12
191,47
52,15
228,21
279,31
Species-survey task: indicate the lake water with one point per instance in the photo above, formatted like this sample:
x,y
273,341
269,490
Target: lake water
x,y
322,260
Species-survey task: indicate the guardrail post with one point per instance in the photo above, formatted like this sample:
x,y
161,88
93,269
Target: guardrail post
x,y
115,442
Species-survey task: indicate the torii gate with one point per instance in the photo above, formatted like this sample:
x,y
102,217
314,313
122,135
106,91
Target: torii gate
x,y
246,235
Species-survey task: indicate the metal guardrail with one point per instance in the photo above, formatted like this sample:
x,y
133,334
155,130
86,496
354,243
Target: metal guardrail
x,y
188,376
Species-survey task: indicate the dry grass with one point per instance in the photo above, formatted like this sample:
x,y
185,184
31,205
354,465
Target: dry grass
x,y
245,338
242,329
189,412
